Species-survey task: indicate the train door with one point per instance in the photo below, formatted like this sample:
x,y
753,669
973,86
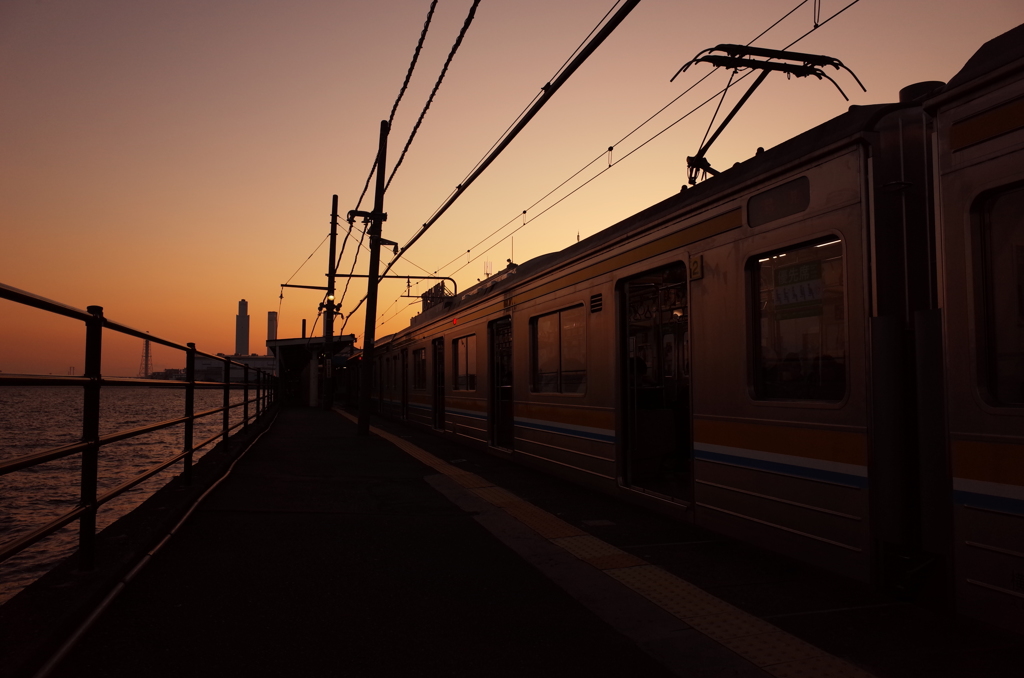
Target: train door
x,y
502,394
438,409
405,383
656,378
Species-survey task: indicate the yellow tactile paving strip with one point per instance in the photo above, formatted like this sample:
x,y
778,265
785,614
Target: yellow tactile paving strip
x,y
754,639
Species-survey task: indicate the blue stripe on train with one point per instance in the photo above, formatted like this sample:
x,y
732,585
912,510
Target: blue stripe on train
x,y
788,469
566,431
989,501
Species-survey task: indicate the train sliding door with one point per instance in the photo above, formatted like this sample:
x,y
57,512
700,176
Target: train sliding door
x,y
502,395
438,385
658,442
404,386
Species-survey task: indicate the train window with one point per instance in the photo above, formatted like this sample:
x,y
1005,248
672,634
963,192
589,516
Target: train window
x,y
419,368
786,200
559,343
800,323
1002,296
464,363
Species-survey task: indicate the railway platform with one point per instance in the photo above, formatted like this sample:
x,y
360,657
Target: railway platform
x,y
400,554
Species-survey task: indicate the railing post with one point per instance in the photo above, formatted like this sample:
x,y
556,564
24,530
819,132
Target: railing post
x,y
190,410
259,393
245,398
227,398
91,435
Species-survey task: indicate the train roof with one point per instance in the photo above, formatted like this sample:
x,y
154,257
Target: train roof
x,y
1000,51
848,125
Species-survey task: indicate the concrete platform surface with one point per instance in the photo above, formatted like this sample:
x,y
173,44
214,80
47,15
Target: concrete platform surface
x,y
329,554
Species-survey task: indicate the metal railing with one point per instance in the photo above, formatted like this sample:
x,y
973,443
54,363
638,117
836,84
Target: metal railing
x,y
265,385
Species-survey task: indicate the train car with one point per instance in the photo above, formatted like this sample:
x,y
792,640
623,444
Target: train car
x,y
819,351
978,140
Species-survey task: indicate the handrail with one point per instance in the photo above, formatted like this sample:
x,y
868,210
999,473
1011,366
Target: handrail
x,y
93,382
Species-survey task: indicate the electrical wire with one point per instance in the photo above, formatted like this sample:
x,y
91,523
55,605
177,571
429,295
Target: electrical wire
x,y
645,143
401,92
308,258
540,93
673,124
785,16
437,86
620,141
391,118
548,91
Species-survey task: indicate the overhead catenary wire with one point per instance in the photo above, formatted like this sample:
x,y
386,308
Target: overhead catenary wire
x,y
616,144
437,85
549,90
649,140
401,92
540,93
582,53
603,153
280,301
624,157
373,168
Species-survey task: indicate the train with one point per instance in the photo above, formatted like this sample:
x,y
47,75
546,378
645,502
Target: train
x,y
819,351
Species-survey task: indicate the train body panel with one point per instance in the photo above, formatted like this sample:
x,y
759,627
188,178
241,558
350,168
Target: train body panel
x,y
979,169
798,353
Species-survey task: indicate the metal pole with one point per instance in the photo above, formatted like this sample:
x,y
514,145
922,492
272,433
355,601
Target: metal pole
x,y
245,398
259,393
369,333
91,435
190,409
227,398
328,396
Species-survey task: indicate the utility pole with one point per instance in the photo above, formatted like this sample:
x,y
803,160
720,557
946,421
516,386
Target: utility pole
x,y
327,399
369,333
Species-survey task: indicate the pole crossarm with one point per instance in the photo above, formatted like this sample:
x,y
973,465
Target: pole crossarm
x,y
455,285
310,287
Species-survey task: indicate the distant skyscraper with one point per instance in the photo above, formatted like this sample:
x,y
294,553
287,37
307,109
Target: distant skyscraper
x,y
271,327
242,329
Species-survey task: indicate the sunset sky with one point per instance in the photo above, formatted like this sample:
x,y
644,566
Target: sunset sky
x,y
164,159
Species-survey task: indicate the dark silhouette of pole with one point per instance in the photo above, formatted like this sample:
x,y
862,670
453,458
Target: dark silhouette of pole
x,y
328,391
369,333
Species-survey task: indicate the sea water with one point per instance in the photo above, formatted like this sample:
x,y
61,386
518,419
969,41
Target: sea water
x,y
39,418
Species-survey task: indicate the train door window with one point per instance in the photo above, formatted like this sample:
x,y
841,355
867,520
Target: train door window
x,y
502,393
800,323
419,368
1001,298
464,363
559,342
437,345
656,382
403,382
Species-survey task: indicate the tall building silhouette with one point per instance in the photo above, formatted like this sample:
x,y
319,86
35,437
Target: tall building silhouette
x,y
271,328
242,328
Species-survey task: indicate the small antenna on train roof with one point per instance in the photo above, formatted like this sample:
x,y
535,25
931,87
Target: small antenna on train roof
x,y
736,57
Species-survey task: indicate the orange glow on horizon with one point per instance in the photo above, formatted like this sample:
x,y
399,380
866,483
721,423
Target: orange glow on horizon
x,y
165,160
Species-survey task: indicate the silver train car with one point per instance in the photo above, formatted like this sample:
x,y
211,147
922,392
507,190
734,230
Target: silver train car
x,y
819,351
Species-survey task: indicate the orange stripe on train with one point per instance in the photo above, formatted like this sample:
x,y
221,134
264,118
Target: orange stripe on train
x,y
845,447
990,462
